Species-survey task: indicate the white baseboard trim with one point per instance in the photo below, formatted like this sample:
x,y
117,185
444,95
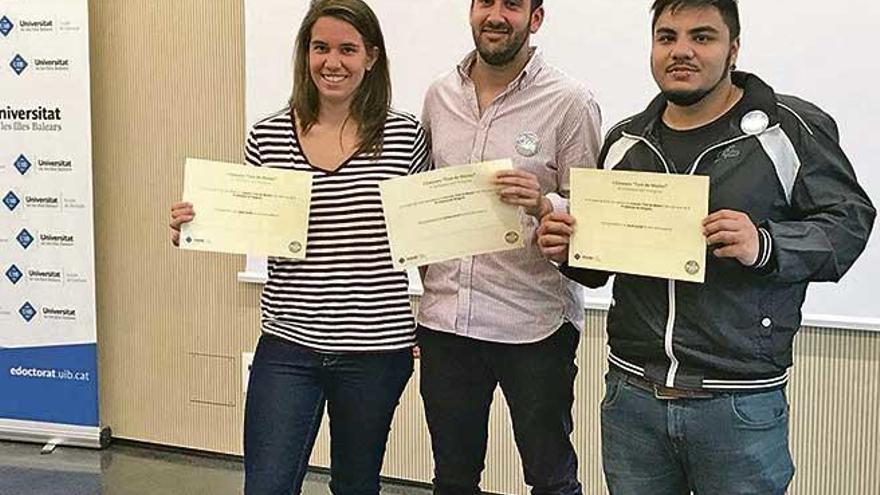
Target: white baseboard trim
x,y
841,322
253,277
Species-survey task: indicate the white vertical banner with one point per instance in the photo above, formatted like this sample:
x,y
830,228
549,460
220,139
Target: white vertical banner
x,y
48,358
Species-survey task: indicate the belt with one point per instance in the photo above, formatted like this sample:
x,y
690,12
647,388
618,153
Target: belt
x,y
665,393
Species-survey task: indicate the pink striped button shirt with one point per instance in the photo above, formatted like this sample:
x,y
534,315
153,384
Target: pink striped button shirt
x,y
546,122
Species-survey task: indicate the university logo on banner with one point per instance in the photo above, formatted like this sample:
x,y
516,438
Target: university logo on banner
x,y
22,164
6,26
11,201
27,312
18,64
24,238
14,274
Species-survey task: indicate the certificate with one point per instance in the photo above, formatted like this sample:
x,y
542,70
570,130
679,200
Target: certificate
x,y
639,223
247,210
448,213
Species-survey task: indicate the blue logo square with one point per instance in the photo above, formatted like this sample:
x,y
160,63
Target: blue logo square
x,y
18,64
11,201
6,26
22,164
27,312
14,274
25,238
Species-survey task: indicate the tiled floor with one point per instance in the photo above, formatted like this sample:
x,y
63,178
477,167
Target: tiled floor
x,y
132,470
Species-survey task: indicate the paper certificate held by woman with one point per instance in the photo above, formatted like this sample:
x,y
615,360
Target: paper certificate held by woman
x,y
639,223
246,210
447,214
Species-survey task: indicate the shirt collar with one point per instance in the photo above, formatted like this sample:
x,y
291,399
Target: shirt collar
x,y
525,77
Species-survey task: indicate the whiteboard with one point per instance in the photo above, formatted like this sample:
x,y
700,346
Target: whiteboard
x,y
815,50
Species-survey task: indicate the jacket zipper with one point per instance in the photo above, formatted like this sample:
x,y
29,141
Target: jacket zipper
x,y
670,320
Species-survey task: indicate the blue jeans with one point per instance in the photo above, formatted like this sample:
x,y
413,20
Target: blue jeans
x,y
458,379
731,444
288,389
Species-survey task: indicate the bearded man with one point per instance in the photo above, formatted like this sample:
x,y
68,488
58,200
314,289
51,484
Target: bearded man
x,y
507,319
695,394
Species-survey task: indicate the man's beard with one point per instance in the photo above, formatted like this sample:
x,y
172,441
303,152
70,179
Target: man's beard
x,y
506,53
688,98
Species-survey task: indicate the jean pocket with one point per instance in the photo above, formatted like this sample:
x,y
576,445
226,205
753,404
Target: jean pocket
x,y
612,390
763,409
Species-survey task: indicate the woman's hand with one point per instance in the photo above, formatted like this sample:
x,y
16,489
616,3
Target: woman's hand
x,y
181,213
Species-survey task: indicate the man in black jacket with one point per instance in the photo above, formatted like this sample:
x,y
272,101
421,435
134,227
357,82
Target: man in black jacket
x,y
695,393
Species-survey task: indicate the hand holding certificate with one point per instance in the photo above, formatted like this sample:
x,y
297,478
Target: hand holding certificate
x,y
639,223
246,210
448,213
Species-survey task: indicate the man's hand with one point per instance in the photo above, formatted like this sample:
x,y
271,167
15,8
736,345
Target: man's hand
x,y
733,234
521,188
554,235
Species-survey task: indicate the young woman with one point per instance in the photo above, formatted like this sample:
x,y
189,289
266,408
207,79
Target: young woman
x,y
337,327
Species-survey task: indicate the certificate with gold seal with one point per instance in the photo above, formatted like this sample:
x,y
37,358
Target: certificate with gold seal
x,y
246,210
639,223
448,213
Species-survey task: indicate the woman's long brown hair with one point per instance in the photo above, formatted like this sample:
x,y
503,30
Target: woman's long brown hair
x,y
372,99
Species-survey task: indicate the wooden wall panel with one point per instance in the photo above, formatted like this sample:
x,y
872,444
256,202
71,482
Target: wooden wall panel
x,y
167,83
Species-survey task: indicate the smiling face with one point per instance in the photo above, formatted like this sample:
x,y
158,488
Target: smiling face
x,y
501,28
692,54
338,60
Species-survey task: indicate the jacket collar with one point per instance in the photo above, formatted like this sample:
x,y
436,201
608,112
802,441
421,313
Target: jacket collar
x,y
757,97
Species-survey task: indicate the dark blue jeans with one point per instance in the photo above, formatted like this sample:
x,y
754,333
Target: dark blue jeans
x,y
732,444
288,388
458,379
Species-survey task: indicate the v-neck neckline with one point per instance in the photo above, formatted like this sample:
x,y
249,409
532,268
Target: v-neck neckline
x,y
305,156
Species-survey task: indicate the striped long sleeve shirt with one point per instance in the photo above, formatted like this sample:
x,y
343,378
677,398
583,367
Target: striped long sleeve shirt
x,y
345,296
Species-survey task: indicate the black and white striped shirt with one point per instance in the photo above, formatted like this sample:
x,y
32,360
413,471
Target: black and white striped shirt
x,y
345,296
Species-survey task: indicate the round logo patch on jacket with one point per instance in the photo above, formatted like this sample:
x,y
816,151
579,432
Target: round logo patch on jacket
x,y
754,122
